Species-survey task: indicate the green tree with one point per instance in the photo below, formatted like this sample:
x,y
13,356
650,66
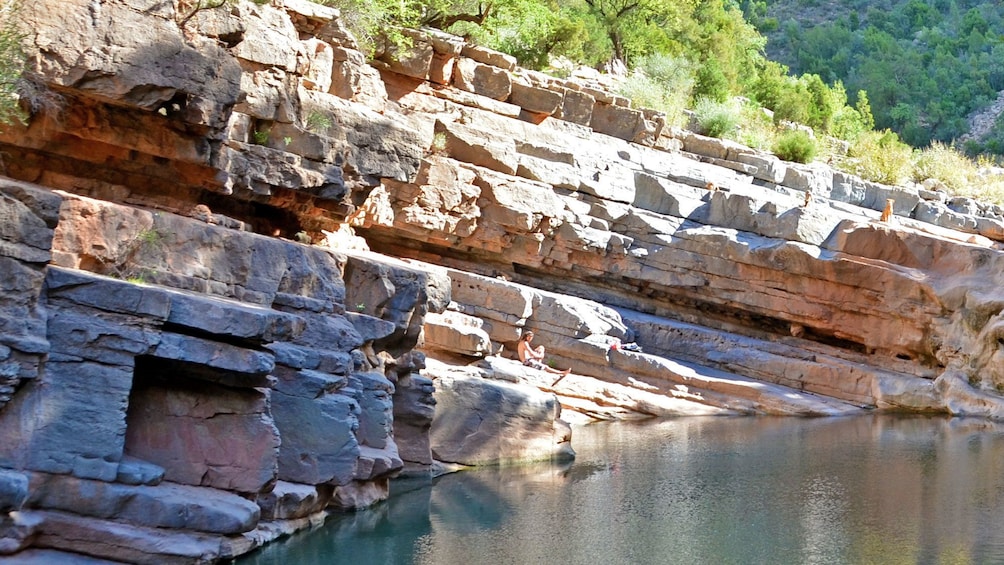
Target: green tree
x,y
711,82
533,31
823,102
865,110
637,28
722,35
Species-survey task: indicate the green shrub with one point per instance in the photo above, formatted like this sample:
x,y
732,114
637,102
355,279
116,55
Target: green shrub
x,y
795,145
756,128
318,122
943,163
375,23
711,82
660,82
717,119
879,156
987,181
643,91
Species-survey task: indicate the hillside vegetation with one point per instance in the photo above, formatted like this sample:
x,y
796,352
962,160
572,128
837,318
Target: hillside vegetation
x,y
907,71
926,65
705,65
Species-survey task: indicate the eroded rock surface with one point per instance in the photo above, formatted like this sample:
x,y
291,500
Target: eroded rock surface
x,y
183,377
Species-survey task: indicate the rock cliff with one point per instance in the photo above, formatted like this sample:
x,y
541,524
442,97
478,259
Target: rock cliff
x,y
249,275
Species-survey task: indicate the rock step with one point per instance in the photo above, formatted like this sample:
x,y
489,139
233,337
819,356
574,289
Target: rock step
x,y
121,542
806,366
728,390
614,395
767,397
51,556
653,385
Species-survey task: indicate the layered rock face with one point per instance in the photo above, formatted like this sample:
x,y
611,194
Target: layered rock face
x,y
249,275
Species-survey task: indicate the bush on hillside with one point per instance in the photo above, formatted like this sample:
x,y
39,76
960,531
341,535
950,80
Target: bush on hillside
x,y
879,156
756,127
711,82
986,182
944,164
796,146
848,123
663,83
717,119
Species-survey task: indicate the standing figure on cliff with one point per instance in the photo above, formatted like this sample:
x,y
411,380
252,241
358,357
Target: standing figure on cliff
x,y
887,213
534,357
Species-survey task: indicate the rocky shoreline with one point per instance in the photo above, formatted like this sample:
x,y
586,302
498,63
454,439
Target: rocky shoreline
x,y
250,276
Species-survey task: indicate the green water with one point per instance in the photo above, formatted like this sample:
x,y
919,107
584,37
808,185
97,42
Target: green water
x,y
881,490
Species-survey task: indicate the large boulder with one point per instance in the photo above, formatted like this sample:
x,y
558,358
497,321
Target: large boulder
x,y
484,422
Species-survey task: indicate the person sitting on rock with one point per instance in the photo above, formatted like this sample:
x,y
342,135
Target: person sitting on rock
x,y
534,357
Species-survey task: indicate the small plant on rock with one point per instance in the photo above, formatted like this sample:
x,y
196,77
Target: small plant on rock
x,y
260,136
317,122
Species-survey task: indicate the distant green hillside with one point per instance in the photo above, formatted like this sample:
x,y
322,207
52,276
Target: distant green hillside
x,y
926,65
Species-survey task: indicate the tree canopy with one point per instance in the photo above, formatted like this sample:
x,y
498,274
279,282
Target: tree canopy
x,y
926,65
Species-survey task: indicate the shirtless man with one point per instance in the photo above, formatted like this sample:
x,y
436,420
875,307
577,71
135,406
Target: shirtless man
x,y
534,357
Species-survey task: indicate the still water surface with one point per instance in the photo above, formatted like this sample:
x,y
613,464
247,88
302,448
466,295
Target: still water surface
x,y
872,489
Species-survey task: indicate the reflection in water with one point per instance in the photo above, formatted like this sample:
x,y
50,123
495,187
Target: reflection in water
x,y
874,489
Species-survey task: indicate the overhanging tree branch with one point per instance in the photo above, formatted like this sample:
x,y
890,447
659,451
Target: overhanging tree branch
x,y
443,21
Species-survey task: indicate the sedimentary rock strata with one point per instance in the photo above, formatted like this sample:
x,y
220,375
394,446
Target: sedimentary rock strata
x,y
248,275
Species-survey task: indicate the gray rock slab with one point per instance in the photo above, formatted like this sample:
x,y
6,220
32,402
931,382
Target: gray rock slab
x,y
289,501
217,362
167,505
43,203
233,319
378,463
113,295
24,235
53,556
71,420
133,471
376,418
370,327
17,531
116,541
414,409
317,428
112,339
